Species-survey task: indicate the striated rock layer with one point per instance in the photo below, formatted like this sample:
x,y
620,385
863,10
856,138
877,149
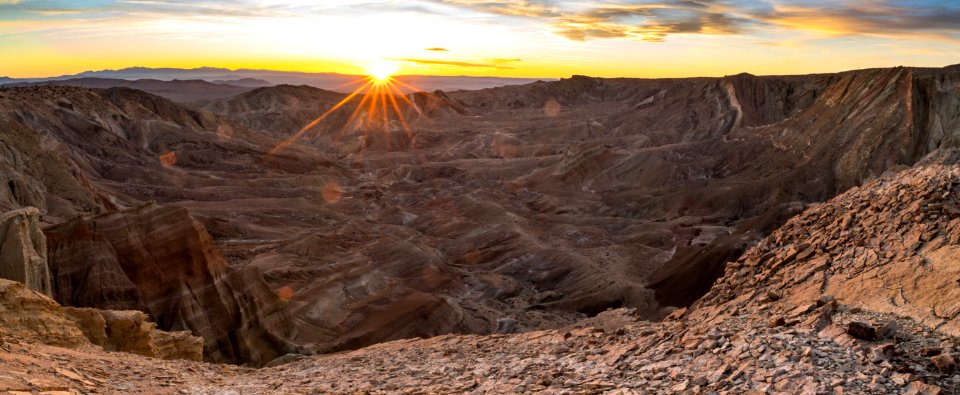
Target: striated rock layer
x,y
23,250
159,260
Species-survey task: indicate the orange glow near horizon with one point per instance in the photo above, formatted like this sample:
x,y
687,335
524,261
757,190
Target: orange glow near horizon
x,y
528,39
379,102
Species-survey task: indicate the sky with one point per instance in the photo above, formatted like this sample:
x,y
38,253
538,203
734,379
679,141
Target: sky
x,y
514,38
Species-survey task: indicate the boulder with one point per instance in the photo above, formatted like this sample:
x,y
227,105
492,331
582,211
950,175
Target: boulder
x,y
861,330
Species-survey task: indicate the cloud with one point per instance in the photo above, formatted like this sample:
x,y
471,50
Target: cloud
x,y
509,7
647,21
504,60
452,63
655,20
438,49
151,8
901,19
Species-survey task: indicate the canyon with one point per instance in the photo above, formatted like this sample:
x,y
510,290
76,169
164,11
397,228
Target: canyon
x,y
588,234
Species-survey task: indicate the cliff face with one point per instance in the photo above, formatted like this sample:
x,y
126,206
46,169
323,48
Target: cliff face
x,y
159,260
23,250
27,313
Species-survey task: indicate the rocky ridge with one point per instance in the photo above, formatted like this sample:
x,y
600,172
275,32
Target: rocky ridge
x,y
176,90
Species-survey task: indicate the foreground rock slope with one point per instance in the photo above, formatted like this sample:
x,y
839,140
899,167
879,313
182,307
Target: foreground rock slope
x,y
889,246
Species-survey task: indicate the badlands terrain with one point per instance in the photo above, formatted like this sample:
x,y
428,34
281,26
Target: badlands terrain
x,y
793,234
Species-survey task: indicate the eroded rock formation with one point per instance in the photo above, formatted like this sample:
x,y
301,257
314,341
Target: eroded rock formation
x,y
132,331
27,316
32,317
159,260
23,250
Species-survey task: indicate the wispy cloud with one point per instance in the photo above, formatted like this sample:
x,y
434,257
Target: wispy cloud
x,y
526,8
647,21
452,63
437,49
882,18
655,20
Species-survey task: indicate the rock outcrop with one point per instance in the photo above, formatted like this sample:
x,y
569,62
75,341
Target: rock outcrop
x,y
31,317
159,260
888,246
132,331
23,250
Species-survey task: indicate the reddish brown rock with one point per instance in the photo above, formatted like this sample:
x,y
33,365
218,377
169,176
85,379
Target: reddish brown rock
x,y
776,321
23,250
872,262
159,260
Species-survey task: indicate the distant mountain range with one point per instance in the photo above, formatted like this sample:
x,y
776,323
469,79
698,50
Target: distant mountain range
x,y
260,78
177,90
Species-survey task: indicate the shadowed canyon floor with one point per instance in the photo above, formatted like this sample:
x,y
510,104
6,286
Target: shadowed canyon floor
x,y
520,208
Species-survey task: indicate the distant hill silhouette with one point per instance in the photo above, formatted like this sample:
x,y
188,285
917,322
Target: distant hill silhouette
x,y
330,81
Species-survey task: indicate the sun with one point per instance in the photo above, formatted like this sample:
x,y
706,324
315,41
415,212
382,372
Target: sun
x,y
381,106
382,71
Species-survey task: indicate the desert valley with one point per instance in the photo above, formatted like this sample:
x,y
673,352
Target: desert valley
x,y
489,197
624,227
